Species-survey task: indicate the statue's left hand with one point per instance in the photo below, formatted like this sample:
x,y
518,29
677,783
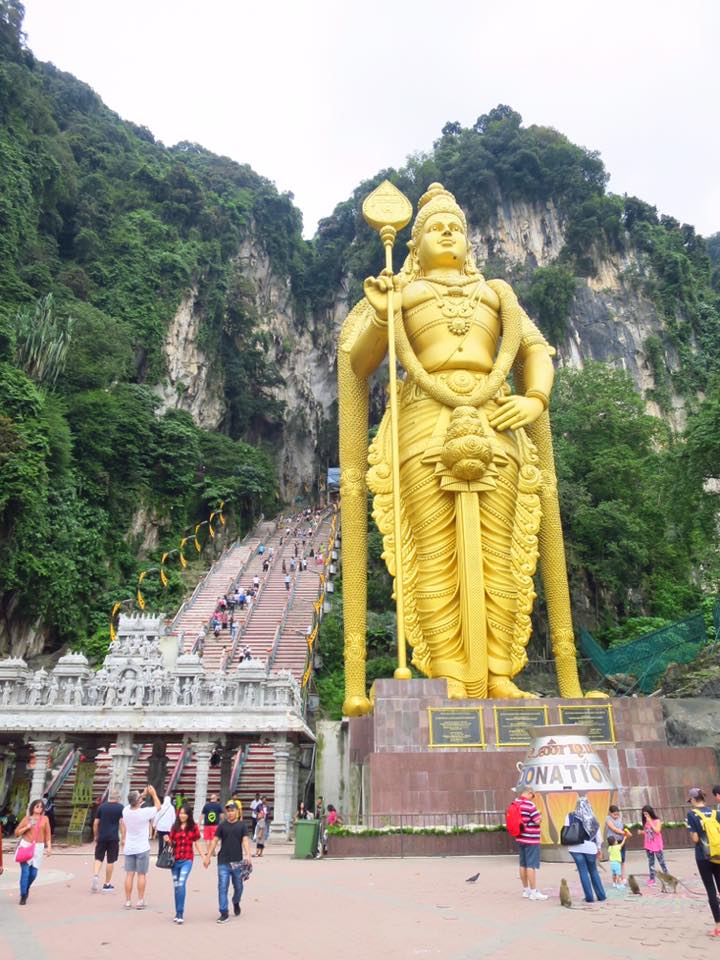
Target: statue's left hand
x,y
515,411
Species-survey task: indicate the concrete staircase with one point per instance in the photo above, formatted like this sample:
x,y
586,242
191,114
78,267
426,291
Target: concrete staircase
x,y
278,618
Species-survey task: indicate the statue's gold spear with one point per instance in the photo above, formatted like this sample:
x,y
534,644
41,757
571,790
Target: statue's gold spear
x,y
387,210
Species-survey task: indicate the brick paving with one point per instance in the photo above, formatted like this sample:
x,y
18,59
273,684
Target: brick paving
x,y
414,909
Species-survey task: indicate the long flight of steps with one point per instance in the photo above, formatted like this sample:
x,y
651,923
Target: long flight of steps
x,y
258,628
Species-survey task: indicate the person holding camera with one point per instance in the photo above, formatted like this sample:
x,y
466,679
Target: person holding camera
x,y
135,839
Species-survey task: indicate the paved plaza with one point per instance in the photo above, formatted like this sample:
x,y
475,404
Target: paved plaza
x,y
347,909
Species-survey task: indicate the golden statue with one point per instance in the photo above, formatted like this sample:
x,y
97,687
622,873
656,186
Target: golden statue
x,y
476,501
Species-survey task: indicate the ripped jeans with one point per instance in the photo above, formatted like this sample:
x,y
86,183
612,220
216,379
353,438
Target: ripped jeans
x,y
180,873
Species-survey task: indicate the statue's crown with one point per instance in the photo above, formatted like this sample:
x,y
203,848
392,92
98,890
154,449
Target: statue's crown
x,y
436,199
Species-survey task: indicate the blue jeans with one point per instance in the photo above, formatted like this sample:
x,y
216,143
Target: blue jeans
x,y
587,867
180,873
27,876
225,873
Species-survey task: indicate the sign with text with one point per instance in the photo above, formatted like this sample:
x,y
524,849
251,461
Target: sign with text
x,y
598,719
512,724
456,727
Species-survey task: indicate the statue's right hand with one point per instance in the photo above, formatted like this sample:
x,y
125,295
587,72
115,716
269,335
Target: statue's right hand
x,y
376,291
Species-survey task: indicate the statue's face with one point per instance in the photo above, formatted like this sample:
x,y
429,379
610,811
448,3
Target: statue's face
x,y
443,243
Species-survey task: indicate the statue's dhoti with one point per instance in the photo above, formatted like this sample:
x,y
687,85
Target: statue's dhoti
x,y
470,515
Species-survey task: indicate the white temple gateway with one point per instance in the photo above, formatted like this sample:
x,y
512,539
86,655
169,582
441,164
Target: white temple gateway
x,y
140,696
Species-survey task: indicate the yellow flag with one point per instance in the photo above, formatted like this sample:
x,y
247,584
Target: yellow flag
x,y
163,578
140,600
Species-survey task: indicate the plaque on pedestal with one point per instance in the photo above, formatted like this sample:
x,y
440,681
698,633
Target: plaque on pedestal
x,y
456,727
512,724
598,719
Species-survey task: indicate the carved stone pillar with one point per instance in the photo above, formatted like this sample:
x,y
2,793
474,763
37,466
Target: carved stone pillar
x,y
203,751
41,751
122,754
293,784
282,815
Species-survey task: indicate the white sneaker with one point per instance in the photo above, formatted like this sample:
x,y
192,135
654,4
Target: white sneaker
x,y
536,895
526,892
95,885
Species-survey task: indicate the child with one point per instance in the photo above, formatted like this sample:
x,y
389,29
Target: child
x,y
654,846
615,846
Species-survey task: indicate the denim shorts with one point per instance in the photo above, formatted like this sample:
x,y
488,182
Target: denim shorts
x,y
137,862
529,855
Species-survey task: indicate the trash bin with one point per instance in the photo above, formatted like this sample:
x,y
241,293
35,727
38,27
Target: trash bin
x,y
307,834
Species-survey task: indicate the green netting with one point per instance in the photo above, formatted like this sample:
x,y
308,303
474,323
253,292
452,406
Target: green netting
x,y
648,657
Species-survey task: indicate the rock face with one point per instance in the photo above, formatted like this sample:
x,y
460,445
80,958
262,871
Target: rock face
x,y
190,383
693,722
610,321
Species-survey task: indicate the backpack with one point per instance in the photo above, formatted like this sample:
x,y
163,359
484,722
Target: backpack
x,y
711,827
513,819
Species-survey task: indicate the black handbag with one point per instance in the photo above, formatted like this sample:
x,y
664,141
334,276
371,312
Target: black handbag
x,y
573,832
166,858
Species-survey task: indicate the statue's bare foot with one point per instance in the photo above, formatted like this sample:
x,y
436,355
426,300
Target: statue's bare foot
x,y
502,688
456,689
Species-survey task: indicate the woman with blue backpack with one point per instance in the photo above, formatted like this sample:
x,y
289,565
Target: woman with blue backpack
x,y
704,829
581,835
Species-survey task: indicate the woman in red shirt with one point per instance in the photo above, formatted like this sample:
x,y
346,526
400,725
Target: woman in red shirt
x,y
33,829
185,840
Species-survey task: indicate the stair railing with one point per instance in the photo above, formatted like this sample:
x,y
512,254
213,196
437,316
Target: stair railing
x,y
237,768
63,773
177,770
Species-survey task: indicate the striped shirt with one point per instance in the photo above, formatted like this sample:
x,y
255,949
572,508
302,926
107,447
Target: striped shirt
x,y
530,822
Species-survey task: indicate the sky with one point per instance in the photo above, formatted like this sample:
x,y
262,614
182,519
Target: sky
x,y
318,95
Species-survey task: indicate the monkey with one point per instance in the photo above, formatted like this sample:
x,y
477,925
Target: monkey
x,y
668,880
565,900
634,886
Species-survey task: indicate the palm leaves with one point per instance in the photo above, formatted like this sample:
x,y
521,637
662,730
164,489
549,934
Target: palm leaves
x,y
42,341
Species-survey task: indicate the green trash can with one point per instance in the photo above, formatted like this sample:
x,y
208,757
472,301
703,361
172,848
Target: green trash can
x,y
307,834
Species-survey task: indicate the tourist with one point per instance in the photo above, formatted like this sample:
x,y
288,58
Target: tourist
x,y
232,836
268,816
528,844
106,834
261,549
242,598
164,820
585,853
134,829
34,832
653,841
50,811
287,582
284,567
303,563
615,849
185,840
319,808
211,815
221,603
332,819
615,829
302,813
709,871
247,653
260,829
266,565
256,583
254,804
716,796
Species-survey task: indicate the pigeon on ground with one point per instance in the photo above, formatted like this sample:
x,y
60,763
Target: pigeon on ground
x,y
473,878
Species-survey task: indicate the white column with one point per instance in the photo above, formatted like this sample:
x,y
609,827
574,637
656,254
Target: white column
x,y
280,826
121,754
41,751
203,751
294,784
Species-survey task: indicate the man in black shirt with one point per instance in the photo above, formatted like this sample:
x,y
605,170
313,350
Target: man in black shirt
x,y
234,843
211,814
107,844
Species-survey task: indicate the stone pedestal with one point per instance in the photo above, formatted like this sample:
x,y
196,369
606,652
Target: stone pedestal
x,y
403,774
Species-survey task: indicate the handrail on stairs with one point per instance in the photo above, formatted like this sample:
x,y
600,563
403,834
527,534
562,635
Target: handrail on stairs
x,y
63,773
177,770
237,768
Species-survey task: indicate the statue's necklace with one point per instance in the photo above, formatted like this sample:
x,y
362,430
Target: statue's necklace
x,y
456,306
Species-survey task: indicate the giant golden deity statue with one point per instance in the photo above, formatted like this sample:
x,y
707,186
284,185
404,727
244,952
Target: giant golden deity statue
x,y
461,467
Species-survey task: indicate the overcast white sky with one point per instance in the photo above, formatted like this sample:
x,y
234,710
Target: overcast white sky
x,y
320,94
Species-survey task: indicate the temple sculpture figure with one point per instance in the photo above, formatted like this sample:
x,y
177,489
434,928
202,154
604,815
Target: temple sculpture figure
x,y
478,496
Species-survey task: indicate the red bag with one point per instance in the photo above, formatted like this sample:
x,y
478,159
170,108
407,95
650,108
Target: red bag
x,y
513,819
